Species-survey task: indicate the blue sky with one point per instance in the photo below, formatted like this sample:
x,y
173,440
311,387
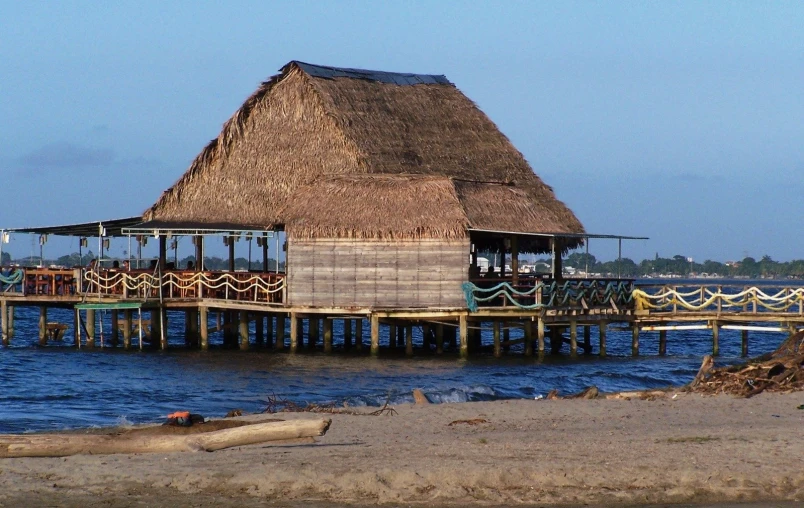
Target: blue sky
x,y
681,121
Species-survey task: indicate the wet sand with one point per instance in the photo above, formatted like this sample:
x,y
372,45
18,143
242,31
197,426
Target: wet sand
x,y
691,449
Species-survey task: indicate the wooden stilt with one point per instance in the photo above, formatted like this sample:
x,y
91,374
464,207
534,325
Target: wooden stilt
x,y
194,328
294,333
528,338
42,326
77,328
259,329
204,327
463,330
359,334
573,338
327,335
439,339
347,334
375,335
409,340
744,343
602,329
427,337
10,318
452,337
279,345
4,321
496,332
163,326
506,338
540,335
243,329
127,329
90,328
662,342
635,339
715,338
187,332
115,333
556,340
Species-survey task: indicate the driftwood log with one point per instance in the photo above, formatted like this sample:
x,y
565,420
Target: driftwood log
x,y
60,445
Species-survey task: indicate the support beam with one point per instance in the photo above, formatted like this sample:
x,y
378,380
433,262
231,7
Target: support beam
x,y
439,339
715,338
243,329
90,328
506,338
77,328
127,313
463,332
587,340
4,321
294,333
602,329
392,336
163,327
259,329
635,339
115,339
573,338
313,329
409,340
528,326
327,335
496,333
204,328
662,342
43,326
375,335
540,335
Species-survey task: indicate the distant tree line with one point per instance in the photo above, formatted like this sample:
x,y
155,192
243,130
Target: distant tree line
x,y
681,266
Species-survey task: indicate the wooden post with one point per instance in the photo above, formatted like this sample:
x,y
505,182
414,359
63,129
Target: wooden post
x,y
463,330
496,331
77,328
204,327
439,339
163,327
327,335
635,339
162,257
42,326
528,325
409,340
347,334
715,338
514,261
127,329
280,332
662,342
573,338
243,329
427,338
313,328
556,340
115,340
192,317
90,342
359,334
10,318
259,329
506,338
4,321
540,335
744,343
602,329
587,340
375,335
294,333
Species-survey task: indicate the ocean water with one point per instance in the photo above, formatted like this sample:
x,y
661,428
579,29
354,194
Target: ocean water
x,y
58,387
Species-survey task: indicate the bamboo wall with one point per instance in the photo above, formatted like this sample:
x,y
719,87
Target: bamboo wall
x,y
367,273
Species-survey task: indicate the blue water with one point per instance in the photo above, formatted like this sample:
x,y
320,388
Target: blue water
x,y
57,387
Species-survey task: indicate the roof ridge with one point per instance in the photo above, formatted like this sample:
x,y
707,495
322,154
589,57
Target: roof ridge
x,y
395,78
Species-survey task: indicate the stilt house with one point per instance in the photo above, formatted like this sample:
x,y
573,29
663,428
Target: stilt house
x,y
386,185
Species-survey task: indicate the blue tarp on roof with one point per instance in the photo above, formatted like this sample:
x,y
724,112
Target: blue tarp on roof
x,y
393,78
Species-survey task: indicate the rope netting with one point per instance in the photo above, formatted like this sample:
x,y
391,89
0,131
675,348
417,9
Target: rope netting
x,y
707,299
555,294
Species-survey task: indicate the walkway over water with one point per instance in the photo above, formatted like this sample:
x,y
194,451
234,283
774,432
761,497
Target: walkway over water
x,y
542,310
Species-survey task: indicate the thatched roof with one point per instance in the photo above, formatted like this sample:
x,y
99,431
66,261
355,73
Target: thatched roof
x,y
312,122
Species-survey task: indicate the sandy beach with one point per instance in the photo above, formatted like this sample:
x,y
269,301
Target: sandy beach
x,y
687,449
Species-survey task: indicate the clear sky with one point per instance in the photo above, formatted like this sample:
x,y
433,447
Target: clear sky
x,y
681,121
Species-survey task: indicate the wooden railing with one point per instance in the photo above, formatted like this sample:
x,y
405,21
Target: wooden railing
x,y
537,293
777,298
241,286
